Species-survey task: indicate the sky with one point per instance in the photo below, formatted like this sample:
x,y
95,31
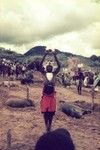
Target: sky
x,y
68,25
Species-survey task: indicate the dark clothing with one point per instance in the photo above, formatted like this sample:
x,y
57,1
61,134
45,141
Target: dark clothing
x,y
80,82
48,88
80,76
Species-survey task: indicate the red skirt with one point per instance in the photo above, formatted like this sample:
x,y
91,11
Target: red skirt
x,y
48,103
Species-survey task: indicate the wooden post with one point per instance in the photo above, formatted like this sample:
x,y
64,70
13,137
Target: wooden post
x,y
27,92
93,96
9,139
9,84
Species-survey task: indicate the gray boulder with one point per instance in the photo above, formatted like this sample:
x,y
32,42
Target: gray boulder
x,y
19,103
73,110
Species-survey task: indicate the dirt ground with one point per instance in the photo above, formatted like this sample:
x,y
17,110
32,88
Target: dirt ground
x,y
27,124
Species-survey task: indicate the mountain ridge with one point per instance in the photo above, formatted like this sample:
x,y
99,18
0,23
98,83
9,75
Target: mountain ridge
x,y
38,52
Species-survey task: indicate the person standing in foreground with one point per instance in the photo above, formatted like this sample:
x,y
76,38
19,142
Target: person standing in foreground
x,y
48,101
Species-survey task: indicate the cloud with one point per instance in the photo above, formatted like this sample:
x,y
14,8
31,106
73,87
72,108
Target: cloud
x,y
95,37
27,22
91,36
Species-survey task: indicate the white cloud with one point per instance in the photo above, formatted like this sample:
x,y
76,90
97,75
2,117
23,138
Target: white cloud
x,y
68,25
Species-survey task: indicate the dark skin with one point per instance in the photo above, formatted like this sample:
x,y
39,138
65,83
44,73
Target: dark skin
x,y
81,78
49,68
48,116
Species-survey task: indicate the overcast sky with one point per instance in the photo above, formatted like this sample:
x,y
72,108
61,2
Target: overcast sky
x,y
67,25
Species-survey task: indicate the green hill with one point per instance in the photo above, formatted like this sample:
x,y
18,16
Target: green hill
x,y
37,52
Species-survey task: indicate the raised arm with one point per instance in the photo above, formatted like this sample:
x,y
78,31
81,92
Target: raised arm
x,y
41,63
58,63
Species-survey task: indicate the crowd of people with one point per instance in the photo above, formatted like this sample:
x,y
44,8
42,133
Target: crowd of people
x,y
79,78
9,68
19,70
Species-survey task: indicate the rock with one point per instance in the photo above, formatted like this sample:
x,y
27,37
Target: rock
x,y
27,81
10,84
73,110
59,139
19,103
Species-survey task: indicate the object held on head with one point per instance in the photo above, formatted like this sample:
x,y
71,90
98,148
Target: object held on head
x,y
49,51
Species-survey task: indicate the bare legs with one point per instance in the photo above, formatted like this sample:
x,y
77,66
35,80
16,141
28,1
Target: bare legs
x,y
48,117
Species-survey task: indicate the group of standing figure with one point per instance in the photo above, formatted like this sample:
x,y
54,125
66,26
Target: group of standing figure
x,y
9,68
